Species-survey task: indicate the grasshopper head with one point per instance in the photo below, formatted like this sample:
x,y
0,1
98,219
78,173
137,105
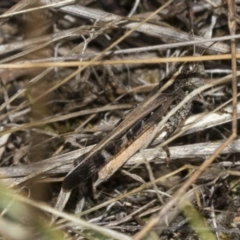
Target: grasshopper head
x,y
195,73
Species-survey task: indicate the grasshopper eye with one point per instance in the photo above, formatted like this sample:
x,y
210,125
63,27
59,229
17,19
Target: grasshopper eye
x,y
191,67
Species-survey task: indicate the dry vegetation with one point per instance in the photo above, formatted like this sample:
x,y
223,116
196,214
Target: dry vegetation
x,y
62,91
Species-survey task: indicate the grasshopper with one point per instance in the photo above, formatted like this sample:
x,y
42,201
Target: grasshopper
x,y
131,133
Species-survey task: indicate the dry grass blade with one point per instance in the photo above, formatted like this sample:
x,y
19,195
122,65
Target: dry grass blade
x,y
203,167
70,71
